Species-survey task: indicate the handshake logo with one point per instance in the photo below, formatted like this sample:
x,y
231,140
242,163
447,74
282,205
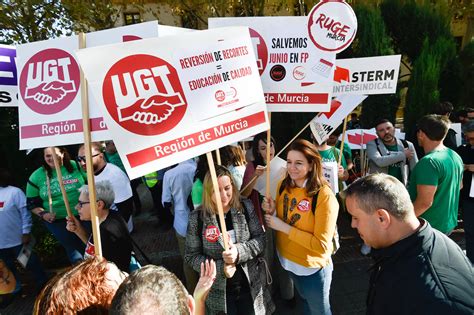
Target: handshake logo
x,y
49,81
143,94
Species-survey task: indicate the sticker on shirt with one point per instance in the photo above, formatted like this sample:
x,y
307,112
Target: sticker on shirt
x,y
212,233
2,204
90,250
304,205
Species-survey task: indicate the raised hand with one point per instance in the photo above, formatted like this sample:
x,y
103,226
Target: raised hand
x,y
206,280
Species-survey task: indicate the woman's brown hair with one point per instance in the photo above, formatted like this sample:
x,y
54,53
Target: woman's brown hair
x,y
233,156
66,161
208,206
315,177
80,288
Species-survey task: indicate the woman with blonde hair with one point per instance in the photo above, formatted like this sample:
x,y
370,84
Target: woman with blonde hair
x,y
240,286
304,217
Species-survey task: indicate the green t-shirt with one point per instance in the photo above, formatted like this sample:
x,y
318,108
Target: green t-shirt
x,y
395,169
441,168
346,150
196,193
115,159
37,187
332,155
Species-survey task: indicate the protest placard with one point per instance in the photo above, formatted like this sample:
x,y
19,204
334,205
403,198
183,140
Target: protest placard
x,y
165,102
330,174
277,173
324,124
371,75
49,82
358,138
8,77
288,63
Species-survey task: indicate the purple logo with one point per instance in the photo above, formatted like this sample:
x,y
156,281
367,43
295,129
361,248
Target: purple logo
x,y
8,75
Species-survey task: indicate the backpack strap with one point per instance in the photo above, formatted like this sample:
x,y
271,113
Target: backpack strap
x,y
314,201
405,143
377,145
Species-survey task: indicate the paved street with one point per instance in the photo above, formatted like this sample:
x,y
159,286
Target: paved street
x,y
350,276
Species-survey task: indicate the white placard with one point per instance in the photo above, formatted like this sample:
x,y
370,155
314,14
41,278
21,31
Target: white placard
x,y
166,30
358,138
457,128
371,75
277,173
8,77
330,174
324,124
153,113
332,25
50,109
296,75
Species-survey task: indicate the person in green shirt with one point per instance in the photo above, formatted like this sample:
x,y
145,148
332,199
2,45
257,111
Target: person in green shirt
x,y
334,141
436,179
331,154
44,198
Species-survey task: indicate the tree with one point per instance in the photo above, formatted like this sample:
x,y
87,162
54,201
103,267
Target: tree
x,y
423,86
373,40
32,20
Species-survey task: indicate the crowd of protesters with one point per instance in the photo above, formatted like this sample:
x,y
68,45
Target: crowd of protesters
x,y
404,212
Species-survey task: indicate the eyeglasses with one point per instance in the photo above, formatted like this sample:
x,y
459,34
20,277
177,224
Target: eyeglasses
x,y
82,158
81,203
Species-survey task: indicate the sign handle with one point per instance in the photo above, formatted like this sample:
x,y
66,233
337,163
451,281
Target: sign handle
x,y
269,144
220,211
341,150
218,157
61,183
87,149
289,142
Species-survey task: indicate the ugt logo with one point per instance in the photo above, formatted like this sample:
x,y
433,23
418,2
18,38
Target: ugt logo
x,y
143,94
260,49
49,81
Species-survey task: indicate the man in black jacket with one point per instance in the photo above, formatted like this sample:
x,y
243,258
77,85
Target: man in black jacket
x,y
417,269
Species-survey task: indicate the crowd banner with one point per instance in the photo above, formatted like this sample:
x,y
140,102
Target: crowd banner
x,y
288,63
323,125
358,138
169,99
8,77
368,76
49,83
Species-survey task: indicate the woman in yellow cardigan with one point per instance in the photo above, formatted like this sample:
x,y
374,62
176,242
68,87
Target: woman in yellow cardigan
x,y
304,231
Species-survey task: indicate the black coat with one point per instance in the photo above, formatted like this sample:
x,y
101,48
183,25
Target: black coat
x,y
425,273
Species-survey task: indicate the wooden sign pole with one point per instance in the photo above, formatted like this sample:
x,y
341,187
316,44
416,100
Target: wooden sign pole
x,y
341,150
220,210
269,147
59,175
218,157
87,149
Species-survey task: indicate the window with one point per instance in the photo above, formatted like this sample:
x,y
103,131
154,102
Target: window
x,y
132,18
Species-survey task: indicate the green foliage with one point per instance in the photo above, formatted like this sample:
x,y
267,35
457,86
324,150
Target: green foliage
x,y
409,23
23,21
423,87
466,59
92,15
